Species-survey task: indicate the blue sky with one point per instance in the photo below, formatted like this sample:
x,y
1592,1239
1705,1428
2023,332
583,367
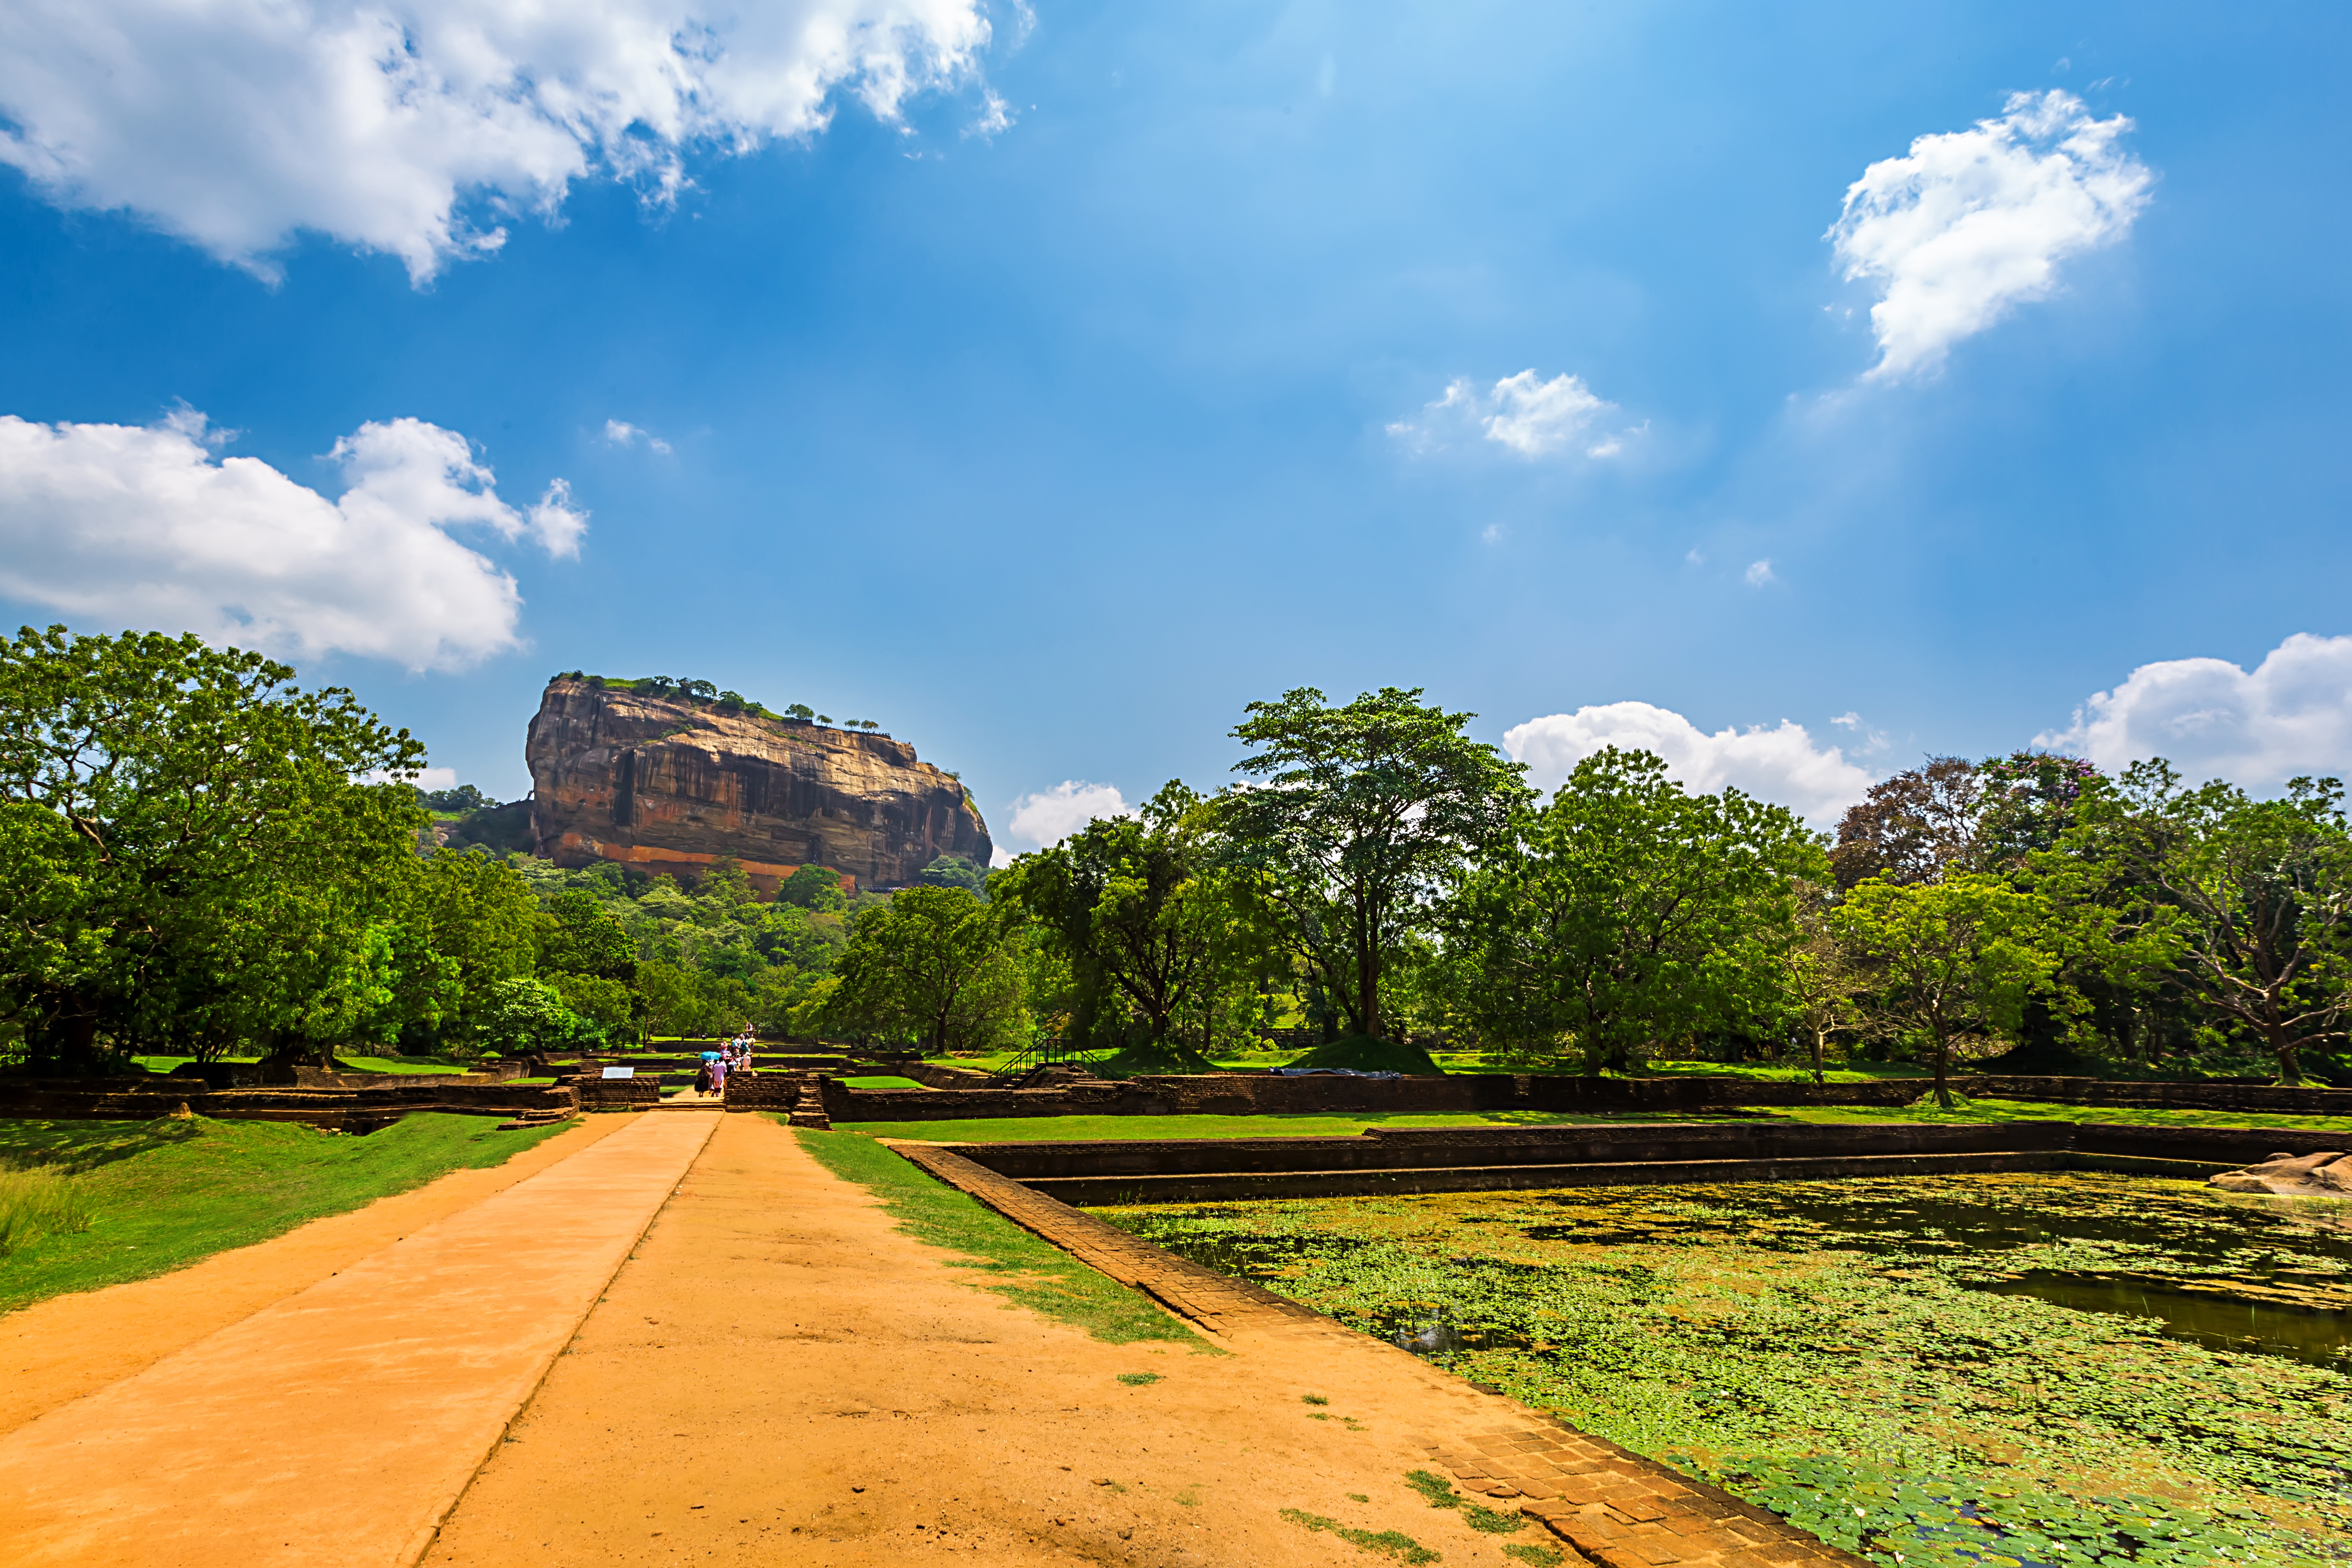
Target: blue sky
x,y
1048,384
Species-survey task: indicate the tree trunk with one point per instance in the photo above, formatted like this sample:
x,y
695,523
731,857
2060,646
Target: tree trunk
x,y
2290,1066
68,1046
1821,1044
1943,1073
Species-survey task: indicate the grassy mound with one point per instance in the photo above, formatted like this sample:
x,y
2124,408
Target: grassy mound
x,y
1167,1057
1361,1053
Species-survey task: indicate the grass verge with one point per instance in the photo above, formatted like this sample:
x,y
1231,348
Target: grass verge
x,y
162,1194
1297,1124
1019,1266
1979,1112
882,1082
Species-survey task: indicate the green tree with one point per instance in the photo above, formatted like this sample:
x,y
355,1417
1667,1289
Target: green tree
x,y
955,871
929,965
1140,910
1821,990
183,848
1628,912
816,888
2263,890
480,913
606,1008
524,1015
1953,960
578,935
692,1004
1360,816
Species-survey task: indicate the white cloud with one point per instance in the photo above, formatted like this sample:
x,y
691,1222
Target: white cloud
x,y
1781,765
1051,815
621,433
1530,416
412,127
1873,738
147,527
1759,573
1973,222
2291,715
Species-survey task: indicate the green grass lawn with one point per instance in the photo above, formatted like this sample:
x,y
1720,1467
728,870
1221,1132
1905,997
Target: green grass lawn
x,y
1343,1124
1477,1062
357,1064
1980,1112
167,1193
1008,1260
881,1082
1297,1124
1781,1072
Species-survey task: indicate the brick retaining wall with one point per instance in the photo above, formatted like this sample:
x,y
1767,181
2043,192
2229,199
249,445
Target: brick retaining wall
x,y
1244,1094
1429,1160
346,1109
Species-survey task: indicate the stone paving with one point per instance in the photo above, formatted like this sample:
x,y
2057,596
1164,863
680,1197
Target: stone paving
x,y
340,1423
1613,1508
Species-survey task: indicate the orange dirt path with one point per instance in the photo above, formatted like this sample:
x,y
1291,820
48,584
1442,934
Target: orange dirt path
x,y
337,1426
58,1349
778,1375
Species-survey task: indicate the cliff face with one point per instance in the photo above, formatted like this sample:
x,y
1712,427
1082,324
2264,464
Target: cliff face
x,y
668,786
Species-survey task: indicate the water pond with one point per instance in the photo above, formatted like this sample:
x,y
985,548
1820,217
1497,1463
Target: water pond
x,y
2034,1369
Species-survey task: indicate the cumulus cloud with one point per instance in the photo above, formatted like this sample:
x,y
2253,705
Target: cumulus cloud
x,y
1522,413
2291,715
412,127
621,433
1782,765
1759,573
1048,818
1971,223
147,526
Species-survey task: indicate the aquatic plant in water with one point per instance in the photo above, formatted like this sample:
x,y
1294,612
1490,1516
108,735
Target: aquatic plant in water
x,y
1875,1359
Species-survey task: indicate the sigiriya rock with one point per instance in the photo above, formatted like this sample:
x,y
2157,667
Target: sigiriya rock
x,y
667,784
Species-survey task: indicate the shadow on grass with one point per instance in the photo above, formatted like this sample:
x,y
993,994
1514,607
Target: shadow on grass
x,y
76,1148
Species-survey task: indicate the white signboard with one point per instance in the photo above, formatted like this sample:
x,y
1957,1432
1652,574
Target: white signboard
x,y
620,1072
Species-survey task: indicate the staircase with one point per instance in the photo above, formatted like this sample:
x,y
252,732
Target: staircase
x,y
808,1111
1017,1072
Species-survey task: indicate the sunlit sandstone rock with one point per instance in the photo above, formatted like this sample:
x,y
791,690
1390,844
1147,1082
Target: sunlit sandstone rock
x,y
2322,1176
669,786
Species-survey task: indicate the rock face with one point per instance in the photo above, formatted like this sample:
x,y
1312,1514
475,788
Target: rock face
x,y
2324,1176
668,786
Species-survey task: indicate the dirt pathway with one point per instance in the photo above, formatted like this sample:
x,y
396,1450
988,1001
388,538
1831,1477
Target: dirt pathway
x,y
777,1376
338,1424
59,1350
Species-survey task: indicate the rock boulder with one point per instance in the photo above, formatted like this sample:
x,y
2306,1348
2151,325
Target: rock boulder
x,y
2323,1175
668,785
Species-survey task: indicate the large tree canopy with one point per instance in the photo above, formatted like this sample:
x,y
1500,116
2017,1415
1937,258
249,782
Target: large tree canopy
x,y
1140,910
184,850
1360,817
930,966
1627,911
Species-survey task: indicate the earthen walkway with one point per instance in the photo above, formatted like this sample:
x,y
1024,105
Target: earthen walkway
x,y
337,1425
57,1351
778,1375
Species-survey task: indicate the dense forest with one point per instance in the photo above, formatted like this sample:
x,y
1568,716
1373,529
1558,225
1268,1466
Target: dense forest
x,y
199,858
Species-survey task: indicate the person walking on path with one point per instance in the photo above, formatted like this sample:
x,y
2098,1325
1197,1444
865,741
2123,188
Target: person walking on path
x,y
718,1076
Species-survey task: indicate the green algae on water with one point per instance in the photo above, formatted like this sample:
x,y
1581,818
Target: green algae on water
x,y
1870,1358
